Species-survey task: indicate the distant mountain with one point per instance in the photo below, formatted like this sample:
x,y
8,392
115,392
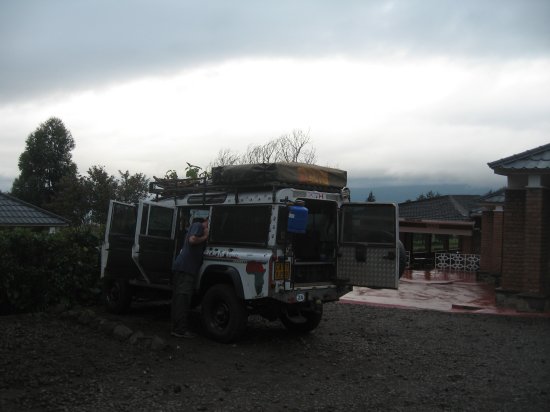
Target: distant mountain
x,y
399,194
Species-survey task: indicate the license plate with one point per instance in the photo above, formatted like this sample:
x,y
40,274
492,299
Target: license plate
x,y
282,270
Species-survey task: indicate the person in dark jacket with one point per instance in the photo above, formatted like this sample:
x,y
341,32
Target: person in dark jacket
x,y
186,268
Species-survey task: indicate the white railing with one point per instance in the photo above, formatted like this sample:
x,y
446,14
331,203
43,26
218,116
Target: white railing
x,y
457,261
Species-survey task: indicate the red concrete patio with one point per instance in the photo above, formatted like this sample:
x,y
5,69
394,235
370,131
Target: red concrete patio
x,y
445,291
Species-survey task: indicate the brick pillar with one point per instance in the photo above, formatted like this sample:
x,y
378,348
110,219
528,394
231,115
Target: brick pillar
x,y
486,261
537,245
513,243
496,245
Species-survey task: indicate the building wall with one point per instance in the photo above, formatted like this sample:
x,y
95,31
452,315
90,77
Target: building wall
x,y
526,241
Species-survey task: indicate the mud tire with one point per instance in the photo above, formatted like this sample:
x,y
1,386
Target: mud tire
x,y
223,313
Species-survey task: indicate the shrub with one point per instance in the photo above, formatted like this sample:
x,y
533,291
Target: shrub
x,y
39,269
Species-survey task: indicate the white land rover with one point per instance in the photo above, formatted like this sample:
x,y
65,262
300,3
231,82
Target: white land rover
x,y
284,239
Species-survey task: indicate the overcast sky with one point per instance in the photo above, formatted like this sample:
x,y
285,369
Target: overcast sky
x,y
411,91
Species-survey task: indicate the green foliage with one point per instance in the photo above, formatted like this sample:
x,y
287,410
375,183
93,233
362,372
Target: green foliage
x,y
132,188
70,201
44,162
100,188
39,269
171,174
192,171
428,195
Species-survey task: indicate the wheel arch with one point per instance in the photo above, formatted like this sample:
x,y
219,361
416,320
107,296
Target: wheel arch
x,y
215,274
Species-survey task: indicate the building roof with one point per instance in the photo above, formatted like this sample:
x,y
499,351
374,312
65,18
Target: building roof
x,y
493,198
447,208
15,212
534,160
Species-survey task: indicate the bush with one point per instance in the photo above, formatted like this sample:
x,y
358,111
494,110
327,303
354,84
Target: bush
x,y
39,269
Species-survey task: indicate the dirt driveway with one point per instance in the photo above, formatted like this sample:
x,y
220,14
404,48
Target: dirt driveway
x,y
360,358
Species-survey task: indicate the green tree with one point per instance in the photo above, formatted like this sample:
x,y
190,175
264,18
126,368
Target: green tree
x,y
46,159
132,188
70,200
428,195
101,187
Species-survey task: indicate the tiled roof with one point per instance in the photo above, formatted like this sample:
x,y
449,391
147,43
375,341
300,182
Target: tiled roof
x,y
15,212
450,207
537,159
497,197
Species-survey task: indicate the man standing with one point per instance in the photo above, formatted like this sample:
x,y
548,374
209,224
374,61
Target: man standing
x,y
186,267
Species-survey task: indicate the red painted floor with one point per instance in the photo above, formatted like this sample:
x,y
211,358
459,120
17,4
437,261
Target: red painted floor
x,y
436,290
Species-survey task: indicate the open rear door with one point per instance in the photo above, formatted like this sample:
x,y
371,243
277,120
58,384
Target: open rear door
x,y
368,252
153,250
116,252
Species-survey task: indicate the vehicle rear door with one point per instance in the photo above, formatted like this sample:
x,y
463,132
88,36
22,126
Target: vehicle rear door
x,y
116,252
368,251
154,241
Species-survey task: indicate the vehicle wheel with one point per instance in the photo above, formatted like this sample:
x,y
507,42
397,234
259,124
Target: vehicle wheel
x,y
224,315
303,321
118,294
402,258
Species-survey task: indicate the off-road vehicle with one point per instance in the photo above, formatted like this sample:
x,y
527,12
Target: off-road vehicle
x,y
284,239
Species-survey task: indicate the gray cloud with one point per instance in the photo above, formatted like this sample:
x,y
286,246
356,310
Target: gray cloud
x,y
65,44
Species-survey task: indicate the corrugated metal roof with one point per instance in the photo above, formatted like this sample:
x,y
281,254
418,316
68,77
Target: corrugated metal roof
x,y
450,207
537,159
15,212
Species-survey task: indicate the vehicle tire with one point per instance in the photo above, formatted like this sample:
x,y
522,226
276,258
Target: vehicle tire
x,y
224,315
305,322
402,258
118,294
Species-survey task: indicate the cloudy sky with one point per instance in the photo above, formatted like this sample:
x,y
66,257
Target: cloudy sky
x,y
404,91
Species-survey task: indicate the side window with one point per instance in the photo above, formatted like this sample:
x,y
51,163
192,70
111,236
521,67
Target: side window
x,y
160,221
246,225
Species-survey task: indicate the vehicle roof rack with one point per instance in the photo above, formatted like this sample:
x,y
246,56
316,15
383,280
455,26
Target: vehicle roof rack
x,y
252,177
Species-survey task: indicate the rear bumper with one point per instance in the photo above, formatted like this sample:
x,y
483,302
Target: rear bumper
x,y
306,293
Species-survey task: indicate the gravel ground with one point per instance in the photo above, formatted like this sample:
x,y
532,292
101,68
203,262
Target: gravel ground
x,y
360,358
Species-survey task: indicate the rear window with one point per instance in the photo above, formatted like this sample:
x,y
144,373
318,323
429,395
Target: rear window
x,y
369,224
243,225
123,220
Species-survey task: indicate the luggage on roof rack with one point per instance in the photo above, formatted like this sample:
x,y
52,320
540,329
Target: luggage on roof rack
x,y
253,176
279,173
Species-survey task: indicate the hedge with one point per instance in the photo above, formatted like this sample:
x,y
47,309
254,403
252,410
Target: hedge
x,y
38,269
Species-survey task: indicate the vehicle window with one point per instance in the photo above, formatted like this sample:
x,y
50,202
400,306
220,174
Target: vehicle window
x,y
123,220
160,221
240,224
372,224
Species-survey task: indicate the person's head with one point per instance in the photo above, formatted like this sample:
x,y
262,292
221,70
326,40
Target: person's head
x,y
205,222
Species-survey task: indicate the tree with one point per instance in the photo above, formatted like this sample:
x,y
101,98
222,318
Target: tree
x,y
45,161
428,195
101,187
293,147
225,158
70,199
371,197
132,188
